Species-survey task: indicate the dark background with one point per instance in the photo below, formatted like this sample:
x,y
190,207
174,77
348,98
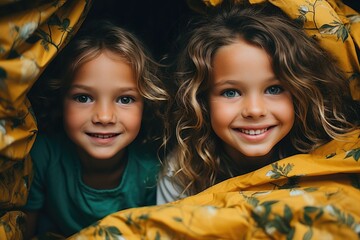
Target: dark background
x,y
156,22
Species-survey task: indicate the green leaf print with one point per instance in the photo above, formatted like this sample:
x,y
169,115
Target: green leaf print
x,y
108,232
279,170
252,200
342,217
287,214
6,226
177,219
290,234
42,34
355,153
64,26
307,219
144,217
311,214
54,20
281,224
337,28
330,155
129,221
310,209
311,189
308,235
261,214
113,231
353,18
343,33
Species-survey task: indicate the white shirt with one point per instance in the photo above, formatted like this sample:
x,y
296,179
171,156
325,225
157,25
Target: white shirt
x,y
167,190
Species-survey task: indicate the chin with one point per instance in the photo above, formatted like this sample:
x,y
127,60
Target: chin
x,y
102,156
259,154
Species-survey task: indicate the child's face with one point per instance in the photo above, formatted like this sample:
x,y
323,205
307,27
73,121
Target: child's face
x,y
250,110
103,108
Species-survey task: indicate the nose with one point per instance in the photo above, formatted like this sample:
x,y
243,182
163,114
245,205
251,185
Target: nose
x,y
104,113
253,106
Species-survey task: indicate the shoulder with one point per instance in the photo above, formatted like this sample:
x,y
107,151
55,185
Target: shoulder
x,y
42,147
168,189
45,141
170,163
46,148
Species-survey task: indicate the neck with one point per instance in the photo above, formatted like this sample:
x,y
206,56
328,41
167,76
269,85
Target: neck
x,y
103,173
238,164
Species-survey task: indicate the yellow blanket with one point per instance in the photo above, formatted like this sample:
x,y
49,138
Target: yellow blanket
x,y
33,32
307,196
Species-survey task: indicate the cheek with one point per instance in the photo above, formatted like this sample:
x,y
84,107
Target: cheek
x,y
133,119
286,112
72,117
221,114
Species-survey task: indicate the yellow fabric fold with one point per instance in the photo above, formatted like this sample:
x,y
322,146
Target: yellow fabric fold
x,y
249,206
31,36
306,196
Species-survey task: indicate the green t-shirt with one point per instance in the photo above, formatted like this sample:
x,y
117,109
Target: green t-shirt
x,y
67,203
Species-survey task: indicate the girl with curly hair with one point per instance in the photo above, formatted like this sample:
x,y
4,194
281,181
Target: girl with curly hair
x,y
252,88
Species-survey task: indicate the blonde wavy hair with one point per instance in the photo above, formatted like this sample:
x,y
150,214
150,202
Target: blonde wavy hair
x,y
321,95
89,43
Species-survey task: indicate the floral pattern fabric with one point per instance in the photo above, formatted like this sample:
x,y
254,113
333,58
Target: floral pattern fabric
x,y
32,33
306,196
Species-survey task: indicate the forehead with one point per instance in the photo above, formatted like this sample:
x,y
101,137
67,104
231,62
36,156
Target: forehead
x,y
106,69
241,60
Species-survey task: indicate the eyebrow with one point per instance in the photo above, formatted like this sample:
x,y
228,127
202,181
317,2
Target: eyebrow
x,y
236,82
226,82
87,88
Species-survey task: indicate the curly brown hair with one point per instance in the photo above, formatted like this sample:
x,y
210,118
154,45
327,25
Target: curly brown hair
x,y
89,43
320,92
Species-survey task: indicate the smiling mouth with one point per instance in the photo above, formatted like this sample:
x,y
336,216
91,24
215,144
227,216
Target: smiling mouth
x,y
103,136
254,132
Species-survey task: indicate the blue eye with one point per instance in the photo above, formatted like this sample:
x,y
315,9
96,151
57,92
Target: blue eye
x,y
274,90
230,93
126,100
81,98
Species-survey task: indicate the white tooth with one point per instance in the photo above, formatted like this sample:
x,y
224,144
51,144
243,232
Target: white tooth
x,y
253,132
